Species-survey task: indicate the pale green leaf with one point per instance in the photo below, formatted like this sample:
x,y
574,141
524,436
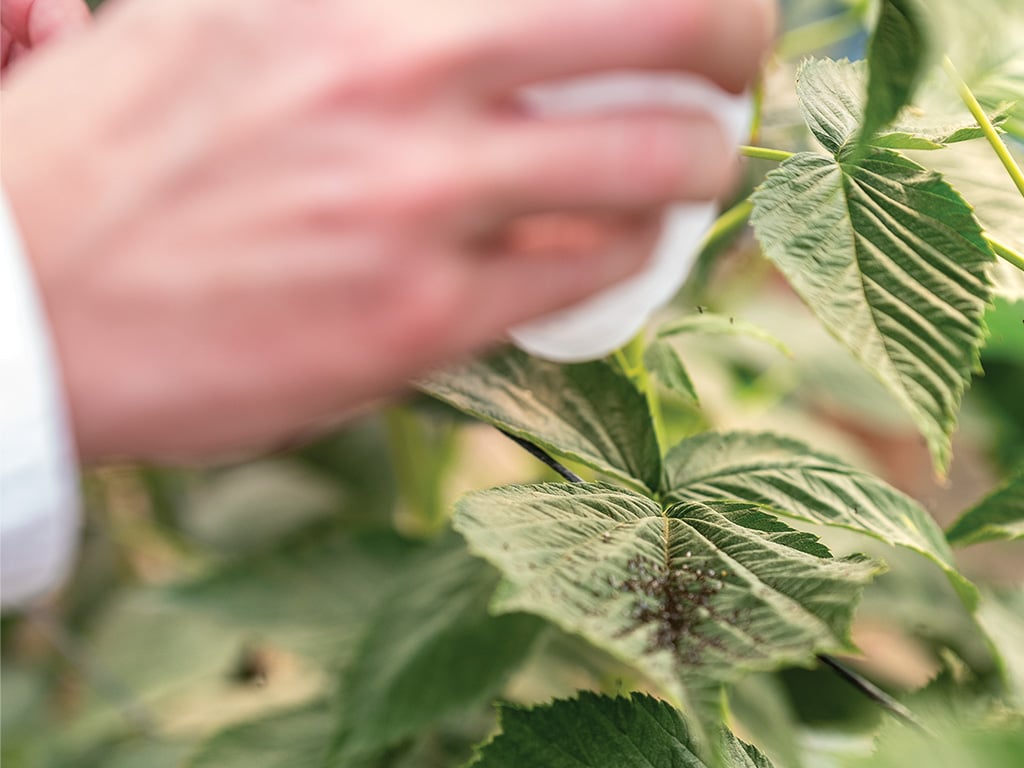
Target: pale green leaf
x,y
898,56
985,39
892,261
297,738
590,412
662,360
1002,617
691,595
789,478
432,651
998,516
594,731
314,594
832,101
719,325
952,737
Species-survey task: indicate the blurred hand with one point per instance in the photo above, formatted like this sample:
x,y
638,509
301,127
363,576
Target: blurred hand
x,y
249,216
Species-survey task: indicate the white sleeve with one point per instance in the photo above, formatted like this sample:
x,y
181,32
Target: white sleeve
x,y
39,513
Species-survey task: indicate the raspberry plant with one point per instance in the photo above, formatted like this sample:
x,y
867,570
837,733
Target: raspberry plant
x,y
634,596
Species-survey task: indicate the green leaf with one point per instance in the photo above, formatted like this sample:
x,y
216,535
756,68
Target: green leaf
x,y
832,101
314,594
892,261
985,39
976,173
662,360
599,732
432,650
720,325
1002,617
789,478
997,517
692,595
590,413
297,737
898,56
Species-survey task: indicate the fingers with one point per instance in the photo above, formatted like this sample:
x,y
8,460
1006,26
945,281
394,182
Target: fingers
x,y
537,40
32,22
612,163
543,263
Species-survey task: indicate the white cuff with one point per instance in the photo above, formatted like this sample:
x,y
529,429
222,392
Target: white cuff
x,y
39,513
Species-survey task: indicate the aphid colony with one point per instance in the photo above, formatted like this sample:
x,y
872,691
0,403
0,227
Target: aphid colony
x,y
677,601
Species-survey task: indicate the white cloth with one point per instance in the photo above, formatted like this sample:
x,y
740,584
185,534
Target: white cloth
x,y
599,325
39,512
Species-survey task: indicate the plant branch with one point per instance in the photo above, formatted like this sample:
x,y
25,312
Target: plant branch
x,y
765,153
978,112
872,691
545,458
1005,252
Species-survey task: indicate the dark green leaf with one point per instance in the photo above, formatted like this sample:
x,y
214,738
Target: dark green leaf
x,y
898,56
600,732
789,478
996,517
590,413
892,261
431,651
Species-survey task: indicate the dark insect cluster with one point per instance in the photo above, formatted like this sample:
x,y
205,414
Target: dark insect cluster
x,y
677,602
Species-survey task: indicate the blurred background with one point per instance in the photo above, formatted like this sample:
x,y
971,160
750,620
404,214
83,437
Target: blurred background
x,y
232,615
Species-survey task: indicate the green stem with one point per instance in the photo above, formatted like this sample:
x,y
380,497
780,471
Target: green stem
x,y
978,112
631,358
764,153
819,34
1006,253
758,119
727,225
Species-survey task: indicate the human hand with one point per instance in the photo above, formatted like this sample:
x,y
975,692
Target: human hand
x,y
27,24
257,214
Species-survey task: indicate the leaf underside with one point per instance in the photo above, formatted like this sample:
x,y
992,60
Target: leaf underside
x,y
831,97
892,261
590,412
692,595
788,478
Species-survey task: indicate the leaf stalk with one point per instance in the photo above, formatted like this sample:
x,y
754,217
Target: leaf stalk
x,y
765,153
991,134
